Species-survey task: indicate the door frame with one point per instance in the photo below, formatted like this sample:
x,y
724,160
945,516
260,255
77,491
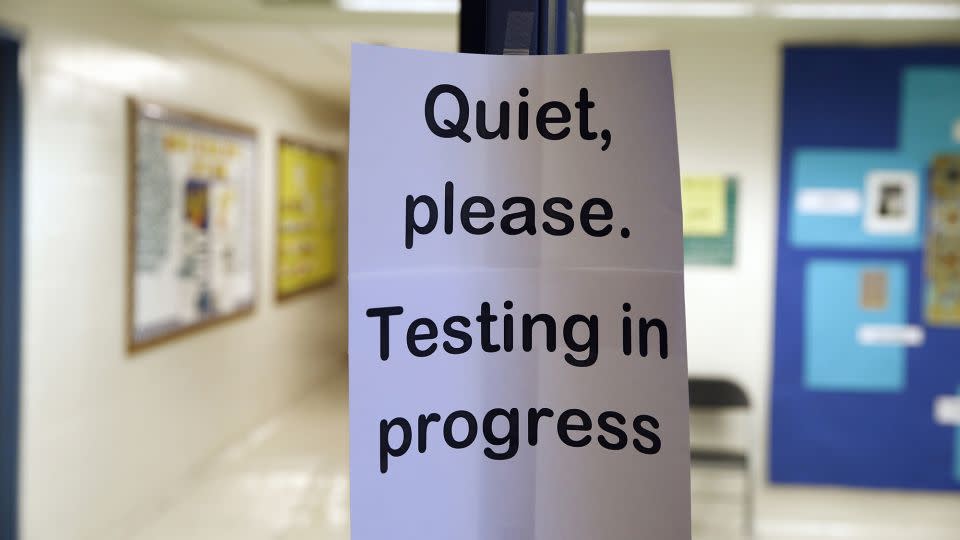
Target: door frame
x,y
11,263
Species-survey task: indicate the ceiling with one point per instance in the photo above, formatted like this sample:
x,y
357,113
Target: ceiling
x,y
306,43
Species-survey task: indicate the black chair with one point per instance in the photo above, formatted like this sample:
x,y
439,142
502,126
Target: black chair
x,y
716,395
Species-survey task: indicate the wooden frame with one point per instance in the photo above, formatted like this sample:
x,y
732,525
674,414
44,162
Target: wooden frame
x,y
282,141
138,110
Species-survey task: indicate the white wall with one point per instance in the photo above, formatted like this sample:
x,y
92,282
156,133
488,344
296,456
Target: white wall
x,y
727,89
107,434
728,98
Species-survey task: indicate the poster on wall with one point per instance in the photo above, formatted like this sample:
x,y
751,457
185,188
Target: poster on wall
x,y
709,219
867,324
307,216
192,230
517,335
942,262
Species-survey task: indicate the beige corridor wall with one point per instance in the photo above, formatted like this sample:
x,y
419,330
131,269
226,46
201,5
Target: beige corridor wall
x,y
728,98
105,434
727,87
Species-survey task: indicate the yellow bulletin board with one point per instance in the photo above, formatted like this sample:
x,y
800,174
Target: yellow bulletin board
x,y
307,195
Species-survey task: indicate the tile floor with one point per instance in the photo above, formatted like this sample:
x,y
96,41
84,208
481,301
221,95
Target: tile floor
x,y
287,480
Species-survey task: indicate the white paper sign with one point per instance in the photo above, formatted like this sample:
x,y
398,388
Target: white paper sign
x,y
517,338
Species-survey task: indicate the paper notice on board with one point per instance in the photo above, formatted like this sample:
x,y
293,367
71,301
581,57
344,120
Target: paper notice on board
x,y
829,202
885,335
946,410
704,205
517,336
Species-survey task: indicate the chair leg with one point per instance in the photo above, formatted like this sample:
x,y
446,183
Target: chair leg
x,y
748,502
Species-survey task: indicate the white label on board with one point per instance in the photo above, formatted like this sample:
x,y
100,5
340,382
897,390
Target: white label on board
x,y
946,410
829,201
906,335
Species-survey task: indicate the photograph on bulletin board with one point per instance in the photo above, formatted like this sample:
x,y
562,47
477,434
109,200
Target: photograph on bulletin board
x,y
191,253
709,219
306,218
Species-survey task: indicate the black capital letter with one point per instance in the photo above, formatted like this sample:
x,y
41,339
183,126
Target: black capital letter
x,y
429,113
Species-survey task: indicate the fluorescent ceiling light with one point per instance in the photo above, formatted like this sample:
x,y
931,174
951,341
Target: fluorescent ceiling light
x,y
627,8
677,8
877,10
401,6
621,8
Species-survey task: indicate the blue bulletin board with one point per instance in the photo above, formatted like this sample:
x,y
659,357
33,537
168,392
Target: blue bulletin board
x,y
866,378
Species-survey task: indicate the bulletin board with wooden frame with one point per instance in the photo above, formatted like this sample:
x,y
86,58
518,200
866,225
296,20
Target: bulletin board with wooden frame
x,y
307,204
192,208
